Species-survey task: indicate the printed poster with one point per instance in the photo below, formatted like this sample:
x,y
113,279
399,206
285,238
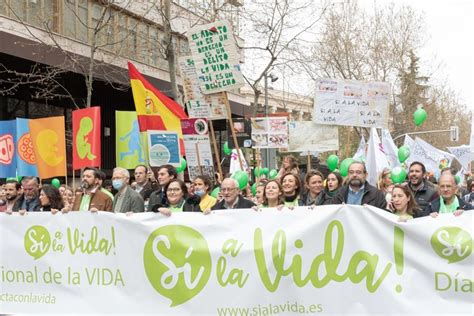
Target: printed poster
x,y
243,133
198,147
163,148
352,103
270,132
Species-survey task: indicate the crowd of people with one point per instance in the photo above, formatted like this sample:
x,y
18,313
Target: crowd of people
x,y
164,192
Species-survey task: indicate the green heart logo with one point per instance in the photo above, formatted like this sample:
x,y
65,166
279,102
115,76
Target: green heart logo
x,y
452,243
177,262
37,241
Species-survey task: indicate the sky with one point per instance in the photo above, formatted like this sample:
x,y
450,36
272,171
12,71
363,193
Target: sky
x,y
450,37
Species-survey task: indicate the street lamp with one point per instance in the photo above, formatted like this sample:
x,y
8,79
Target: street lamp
x,y
273,78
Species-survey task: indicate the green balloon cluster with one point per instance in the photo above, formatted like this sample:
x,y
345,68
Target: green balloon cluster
x,y
242,178
258,172
215,192
419,116
254,189
403,153
55,183
272,174
344,168
227,149
398,175
332,162
181,167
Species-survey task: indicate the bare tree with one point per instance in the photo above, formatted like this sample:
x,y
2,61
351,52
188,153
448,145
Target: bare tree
x,y
274,30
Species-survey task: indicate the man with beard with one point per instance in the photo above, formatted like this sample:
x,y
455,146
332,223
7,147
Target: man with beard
x,y
29,200
92,198
358,191
423,192
11,194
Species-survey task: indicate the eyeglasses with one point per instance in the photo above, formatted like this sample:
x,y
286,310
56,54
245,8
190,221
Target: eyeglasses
x,y
228,189
173,190
358,172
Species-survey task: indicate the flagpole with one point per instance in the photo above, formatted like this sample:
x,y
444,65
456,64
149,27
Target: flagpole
x,y
231,122
216,150
308,162
196,145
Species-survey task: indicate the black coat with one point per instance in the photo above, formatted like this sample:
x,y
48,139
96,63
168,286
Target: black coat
x,y
436,204
242,203
371,196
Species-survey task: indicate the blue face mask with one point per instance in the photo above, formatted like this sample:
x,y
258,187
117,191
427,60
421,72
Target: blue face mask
x,y
117,184
200,193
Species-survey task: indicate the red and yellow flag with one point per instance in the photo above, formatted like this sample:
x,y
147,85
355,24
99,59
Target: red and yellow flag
x,y
86,138
155,110
49,142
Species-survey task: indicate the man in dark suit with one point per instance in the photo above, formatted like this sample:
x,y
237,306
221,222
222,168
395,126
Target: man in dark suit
x,y
232,199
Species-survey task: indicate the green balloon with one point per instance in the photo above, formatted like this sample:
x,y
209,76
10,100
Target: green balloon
x,y
272,174
403,153
332,162
345,166
227,150
258,172
419,116
55,183
19,179
398,175
265,171
242,178
458,179
254,189
215,192
183,165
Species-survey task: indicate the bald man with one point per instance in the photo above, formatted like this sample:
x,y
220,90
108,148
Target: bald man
x,y
448,202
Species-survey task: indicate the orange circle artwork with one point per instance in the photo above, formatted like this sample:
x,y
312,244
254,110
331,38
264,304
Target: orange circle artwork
x,y
25,149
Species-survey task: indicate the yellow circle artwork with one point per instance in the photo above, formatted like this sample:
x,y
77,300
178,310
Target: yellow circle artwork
x,y
47,149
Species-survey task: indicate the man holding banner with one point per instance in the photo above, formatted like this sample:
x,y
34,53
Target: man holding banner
x,y
29,200
358,191
448,202
420,188
92,198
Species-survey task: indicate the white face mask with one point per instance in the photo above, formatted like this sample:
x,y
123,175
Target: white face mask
x,y
199,193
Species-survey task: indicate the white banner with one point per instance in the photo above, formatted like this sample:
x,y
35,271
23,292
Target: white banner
x,y
463,154
429,155
330,260
309,136
352,103
390,149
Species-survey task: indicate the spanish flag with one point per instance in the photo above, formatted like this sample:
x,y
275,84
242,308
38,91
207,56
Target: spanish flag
x,y
155,111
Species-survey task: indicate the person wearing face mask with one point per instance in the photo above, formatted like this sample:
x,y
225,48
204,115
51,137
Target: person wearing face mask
x,y
91,198
126,200
202,187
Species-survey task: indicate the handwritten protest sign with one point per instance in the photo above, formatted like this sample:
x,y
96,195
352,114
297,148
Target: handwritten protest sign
x,y
351,103
215,57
